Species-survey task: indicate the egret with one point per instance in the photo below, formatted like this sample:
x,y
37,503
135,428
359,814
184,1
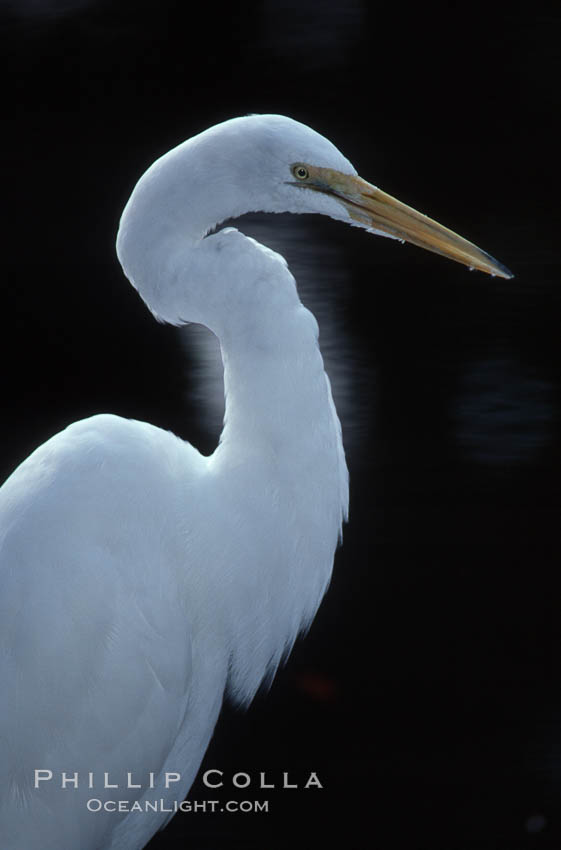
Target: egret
x,y
143,582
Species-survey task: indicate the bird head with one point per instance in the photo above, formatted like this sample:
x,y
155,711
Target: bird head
x,y
266,163
291,168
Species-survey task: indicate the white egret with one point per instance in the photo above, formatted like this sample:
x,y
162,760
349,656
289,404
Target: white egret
x,y
142,581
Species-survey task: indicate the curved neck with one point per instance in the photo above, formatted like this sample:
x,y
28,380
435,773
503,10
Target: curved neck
x,y
275,385
244,293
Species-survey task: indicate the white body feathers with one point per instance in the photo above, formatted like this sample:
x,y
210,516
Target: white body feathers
x,y
140,580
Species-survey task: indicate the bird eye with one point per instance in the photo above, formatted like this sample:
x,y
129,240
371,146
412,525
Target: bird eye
x,y
300,172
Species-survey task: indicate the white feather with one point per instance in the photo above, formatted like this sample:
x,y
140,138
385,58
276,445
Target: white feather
x,y
141,580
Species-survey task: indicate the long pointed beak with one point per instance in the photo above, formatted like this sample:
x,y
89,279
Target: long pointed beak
x,y
375,210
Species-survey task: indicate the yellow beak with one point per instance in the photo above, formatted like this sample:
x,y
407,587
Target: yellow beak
x,y
377,211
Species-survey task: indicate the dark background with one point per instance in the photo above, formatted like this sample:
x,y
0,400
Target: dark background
x,y
426,695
